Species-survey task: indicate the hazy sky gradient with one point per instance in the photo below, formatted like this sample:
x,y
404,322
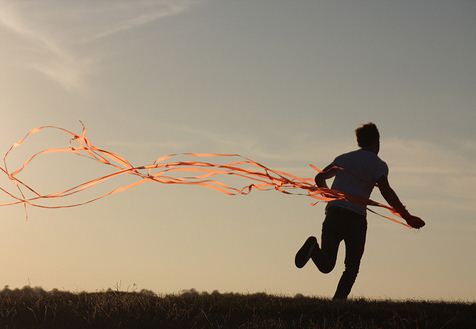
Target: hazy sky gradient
x,y
282,82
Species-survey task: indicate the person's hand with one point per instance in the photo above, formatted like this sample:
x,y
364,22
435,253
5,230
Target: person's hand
x,y
414,221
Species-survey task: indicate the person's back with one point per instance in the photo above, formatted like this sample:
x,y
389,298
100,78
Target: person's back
x,y
358,174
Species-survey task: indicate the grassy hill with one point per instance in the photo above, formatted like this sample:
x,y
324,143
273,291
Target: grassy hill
x,y
36,308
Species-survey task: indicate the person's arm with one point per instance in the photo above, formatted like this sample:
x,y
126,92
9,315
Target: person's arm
x,y
391,197
328,172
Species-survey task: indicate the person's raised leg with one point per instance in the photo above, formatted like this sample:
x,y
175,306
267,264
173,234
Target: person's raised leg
x,y
324,257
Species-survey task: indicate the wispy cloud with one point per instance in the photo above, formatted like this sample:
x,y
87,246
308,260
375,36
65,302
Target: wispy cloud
x,y
47,55
170,8
57,33
433,172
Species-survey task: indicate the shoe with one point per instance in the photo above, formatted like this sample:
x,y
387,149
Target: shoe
x,y
305,253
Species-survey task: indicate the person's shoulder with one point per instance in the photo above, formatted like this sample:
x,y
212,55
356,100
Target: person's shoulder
x,y
348,154
360,155
368,154
380,160
382,167
344,156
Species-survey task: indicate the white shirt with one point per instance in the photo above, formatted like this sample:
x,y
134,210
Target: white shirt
x,y
361,170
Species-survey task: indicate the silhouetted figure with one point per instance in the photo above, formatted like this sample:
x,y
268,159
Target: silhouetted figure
x,y
356,173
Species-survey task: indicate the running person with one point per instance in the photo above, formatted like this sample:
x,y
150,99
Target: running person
x,y
356,173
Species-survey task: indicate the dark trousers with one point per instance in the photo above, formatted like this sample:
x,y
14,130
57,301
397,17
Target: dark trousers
x,y
341,224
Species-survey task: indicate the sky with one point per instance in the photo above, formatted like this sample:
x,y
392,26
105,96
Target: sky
x,y
282,82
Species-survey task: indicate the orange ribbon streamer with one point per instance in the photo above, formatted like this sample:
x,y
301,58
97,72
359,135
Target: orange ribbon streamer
x,y
162,171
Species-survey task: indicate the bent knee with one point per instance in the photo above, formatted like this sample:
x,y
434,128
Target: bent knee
x,y
326,269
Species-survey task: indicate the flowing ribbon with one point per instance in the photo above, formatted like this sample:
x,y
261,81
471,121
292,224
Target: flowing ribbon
x,y
169,170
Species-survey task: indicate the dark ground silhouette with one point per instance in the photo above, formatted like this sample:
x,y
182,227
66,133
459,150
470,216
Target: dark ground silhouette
x,y
35,308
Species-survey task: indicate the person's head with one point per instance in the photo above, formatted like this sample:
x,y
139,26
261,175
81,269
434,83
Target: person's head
x,y
368,137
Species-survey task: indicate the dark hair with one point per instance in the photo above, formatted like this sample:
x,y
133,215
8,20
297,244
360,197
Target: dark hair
x,y
367,134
